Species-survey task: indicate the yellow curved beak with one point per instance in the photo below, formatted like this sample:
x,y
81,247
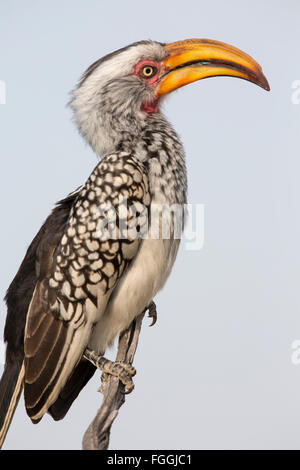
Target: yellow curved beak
x,y
195,59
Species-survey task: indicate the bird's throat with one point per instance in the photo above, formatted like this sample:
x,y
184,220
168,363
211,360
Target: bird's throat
x,y
150,108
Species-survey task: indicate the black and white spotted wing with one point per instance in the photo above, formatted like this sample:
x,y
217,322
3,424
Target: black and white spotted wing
x,y
78,272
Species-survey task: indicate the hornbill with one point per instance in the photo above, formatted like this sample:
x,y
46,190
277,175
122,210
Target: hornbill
x,y
78,286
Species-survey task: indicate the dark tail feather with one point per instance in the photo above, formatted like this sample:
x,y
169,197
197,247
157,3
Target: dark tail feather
x,y
11,385
79,378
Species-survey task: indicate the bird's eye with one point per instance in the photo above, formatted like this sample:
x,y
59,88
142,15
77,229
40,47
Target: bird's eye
x,y
148,71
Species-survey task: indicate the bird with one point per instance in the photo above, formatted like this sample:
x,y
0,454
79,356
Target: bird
x,y
95,265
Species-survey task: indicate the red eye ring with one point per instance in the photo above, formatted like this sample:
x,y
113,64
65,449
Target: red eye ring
x,y
148,71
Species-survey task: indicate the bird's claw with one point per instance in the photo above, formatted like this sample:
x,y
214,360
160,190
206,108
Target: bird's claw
x,y
152,312
122,370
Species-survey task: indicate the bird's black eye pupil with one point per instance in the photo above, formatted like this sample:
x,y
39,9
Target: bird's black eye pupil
x,y
148,71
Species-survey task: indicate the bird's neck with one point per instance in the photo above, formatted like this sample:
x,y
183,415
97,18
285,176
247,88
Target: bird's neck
x,y
160,149
151,138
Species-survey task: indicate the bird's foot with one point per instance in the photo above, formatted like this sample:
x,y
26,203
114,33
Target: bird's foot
x,y
152,312
122,370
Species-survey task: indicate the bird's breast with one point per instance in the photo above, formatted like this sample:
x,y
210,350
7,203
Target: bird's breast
x,y
140,283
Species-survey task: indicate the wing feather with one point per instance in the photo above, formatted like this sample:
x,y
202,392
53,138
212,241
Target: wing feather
x,y
78,271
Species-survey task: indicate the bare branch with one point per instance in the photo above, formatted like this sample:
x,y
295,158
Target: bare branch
x,y
97,435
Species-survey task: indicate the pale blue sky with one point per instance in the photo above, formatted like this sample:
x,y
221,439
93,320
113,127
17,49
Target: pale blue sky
x,y
216,371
